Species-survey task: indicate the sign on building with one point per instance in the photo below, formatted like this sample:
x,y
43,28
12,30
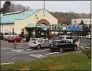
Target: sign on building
x,y
74,27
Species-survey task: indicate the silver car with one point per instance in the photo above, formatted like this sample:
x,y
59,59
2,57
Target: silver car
x,y
38,43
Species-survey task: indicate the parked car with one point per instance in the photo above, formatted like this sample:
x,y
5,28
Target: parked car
x,y
14,38
38,43
88,36
8,34
61,45
1,35
65,37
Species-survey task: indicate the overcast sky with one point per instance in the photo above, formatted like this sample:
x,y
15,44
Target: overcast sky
x,y
59,6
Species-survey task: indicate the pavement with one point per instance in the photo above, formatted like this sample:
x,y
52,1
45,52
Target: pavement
x,y
23,53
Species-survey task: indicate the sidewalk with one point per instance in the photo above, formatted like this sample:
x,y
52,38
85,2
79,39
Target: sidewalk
x,y
83,47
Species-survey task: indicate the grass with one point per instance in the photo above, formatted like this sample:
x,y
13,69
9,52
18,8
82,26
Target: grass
x,y
74,61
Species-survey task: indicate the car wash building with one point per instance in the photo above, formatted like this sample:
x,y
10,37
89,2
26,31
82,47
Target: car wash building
x,y
33,22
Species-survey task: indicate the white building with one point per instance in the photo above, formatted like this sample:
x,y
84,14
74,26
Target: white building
x,y
78,21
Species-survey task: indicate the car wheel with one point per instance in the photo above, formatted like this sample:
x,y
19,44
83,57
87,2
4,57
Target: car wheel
x,y
75,48
8,41
39,46
61,50
4,39
51,49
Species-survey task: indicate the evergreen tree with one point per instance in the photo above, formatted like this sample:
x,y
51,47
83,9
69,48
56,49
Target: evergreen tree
x,y
6,6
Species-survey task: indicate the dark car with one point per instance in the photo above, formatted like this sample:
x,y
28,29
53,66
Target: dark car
x,y
1,36
61,45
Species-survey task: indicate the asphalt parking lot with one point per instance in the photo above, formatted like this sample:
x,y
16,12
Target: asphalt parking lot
x,y
24,53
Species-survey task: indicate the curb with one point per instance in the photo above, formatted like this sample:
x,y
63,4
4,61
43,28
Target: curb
x,y
83,47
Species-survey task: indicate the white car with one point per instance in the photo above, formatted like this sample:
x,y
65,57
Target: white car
x,y
6,35
38,43
88,36
65,37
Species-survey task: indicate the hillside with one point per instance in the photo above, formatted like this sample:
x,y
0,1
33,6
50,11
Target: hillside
x,y
66,17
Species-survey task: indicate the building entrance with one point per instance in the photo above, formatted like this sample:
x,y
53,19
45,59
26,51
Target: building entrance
x,y
40,29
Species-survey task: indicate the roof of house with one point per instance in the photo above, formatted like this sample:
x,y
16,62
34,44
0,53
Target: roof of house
x,y
10,17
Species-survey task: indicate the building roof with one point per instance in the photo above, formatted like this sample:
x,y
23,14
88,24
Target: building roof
x,y
10,17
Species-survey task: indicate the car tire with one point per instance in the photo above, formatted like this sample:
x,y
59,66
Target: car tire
x,y
39,46
75,48
51,50
5,39
8,41
61,50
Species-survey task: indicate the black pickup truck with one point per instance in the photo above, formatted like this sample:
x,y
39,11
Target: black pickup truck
x,y
61,45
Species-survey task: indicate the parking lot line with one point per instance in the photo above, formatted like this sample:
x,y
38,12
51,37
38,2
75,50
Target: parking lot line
x,y
37,55
28,49
52,53
35,51
40,55
5,48
10,52
40,50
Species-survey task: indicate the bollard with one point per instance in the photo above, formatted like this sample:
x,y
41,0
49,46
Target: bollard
x,y
15,45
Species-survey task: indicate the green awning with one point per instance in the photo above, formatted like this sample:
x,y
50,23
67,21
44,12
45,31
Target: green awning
x,y
30,26
36,25
41,25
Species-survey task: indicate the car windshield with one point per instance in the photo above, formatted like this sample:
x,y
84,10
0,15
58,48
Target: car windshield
x,y
61,37
56,41
58,38
69,38
15,34
33,40
6,33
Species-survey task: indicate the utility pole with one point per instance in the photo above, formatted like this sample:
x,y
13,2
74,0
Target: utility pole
x,y
44,8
